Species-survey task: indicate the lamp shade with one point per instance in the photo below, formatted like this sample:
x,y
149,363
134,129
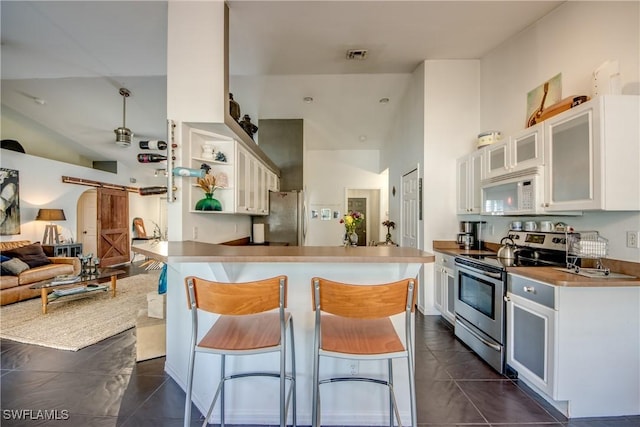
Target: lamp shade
x,y
51,215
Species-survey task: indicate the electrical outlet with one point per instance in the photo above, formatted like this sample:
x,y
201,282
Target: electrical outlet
x,y
633,239
195,233
352,367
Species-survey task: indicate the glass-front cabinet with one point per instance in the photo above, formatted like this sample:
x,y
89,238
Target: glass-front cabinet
x,y
521,150
243,181
469,176
593,156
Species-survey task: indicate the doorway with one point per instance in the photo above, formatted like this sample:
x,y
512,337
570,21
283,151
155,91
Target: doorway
x,y
103,225
87,213
366,202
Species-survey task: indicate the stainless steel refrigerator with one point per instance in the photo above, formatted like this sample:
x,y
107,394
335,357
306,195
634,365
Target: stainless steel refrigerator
x,y
286,222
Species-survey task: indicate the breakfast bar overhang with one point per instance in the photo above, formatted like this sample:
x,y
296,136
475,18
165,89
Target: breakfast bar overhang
x,y
256,402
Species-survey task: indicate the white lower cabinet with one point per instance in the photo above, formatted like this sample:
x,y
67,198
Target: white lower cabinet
x,y
531,332
445,286
578,346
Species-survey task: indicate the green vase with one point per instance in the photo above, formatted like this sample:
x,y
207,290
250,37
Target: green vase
x,y
208,203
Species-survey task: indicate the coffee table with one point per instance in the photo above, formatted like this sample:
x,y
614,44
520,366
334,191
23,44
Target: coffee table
x,y
83,286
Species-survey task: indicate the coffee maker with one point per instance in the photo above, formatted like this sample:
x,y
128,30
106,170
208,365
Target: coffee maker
x,y
469,235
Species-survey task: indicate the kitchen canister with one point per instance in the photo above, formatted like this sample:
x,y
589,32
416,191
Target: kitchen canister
x,y
488,138
546,226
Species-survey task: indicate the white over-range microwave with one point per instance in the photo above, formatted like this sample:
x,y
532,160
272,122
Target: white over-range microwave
x,y
513,194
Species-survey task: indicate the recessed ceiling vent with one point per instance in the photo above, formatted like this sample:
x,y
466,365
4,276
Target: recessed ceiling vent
x,y
358,54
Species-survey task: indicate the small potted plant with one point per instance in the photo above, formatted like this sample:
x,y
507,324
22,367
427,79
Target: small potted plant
x,y
389,224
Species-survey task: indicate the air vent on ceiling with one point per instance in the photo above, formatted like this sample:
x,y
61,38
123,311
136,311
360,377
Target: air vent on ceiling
x,y
358,54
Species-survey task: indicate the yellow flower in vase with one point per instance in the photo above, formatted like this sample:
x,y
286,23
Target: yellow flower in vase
x,y
351,222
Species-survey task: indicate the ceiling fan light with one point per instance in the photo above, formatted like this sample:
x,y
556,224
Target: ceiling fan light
x,y
123,136
123,133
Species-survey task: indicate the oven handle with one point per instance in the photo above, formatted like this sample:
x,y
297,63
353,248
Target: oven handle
x,y
494,346
496,276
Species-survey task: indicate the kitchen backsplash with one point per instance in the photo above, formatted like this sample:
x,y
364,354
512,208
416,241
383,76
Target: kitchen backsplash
x,y
611,225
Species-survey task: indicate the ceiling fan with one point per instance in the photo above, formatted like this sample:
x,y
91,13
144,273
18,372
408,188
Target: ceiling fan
x,y
123,133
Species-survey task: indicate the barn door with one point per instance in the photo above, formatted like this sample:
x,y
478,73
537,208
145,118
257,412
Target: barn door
x,y
113,226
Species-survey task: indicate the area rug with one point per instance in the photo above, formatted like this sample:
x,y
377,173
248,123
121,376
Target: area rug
x,y
73,323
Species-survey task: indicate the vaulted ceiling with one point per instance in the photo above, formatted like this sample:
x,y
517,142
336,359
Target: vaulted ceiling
x,y
64,62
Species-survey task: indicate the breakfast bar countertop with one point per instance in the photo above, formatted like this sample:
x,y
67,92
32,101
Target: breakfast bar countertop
x,y
191,251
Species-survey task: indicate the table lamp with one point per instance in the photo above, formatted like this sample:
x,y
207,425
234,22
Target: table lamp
x,y
51,235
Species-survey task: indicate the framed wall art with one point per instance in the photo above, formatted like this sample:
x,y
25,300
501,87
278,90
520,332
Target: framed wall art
x,y
546,94
9,202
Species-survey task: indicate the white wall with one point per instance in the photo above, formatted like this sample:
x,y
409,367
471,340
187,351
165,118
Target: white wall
x,y
41,186
327,175
404,150
573,40
452,123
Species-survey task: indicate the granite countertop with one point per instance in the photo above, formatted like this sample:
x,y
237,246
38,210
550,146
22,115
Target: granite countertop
x,y
190,251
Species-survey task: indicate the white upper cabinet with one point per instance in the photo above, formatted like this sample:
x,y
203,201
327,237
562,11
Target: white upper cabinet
x,y
469,175
520,151
592,153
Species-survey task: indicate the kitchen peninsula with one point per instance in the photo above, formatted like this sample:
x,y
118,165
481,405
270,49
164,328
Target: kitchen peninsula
x,y
256,402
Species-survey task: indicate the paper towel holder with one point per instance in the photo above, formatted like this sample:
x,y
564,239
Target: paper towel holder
x,y
258,233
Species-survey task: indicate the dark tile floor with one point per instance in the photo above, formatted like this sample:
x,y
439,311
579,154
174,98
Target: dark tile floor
x,y
102,385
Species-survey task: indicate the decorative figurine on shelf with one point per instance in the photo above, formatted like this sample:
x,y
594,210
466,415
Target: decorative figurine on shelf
x,y
220,157
389,225
248,127
207,151
234,108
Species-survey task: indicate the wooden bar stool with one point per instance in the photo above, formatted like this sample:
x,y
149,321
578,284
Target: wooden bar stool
x,y
354,322
252,320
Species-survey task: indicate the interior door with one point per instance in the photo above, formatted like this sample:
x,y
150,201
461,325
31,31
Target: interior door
x,y
113,226
409,205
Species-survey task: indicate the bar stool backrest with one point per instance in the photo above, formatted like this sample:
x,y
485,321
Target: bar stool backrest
x,y
363,301
237,298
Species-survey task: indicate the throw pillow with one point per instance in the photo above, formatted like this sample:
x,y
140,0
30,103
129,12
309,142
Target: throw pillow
x,y
14,266
32,255
4,258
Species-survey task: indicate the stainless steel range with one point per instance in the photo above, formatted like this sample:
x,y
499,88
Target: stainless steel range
x,y
481,288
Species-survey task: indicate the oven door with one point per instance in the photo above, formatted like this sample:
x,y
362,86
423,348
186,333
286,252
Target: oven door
x,y
480,300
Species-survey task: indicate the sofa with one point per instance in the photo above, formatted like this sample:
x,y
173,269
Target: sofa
x,y
23,264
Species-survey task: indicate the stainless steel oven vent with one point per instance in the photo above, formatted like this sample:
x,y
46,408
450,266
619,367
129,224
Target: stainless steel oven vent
x,y
357,54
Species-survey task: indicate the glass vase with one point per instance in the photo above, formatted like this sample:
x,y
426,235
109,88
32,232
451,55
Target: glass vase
x,y
208,203
353,238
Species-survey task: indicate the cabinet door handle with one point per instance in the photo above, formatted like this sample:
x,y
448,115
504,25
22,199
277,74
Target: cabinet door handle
x,y
529,289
